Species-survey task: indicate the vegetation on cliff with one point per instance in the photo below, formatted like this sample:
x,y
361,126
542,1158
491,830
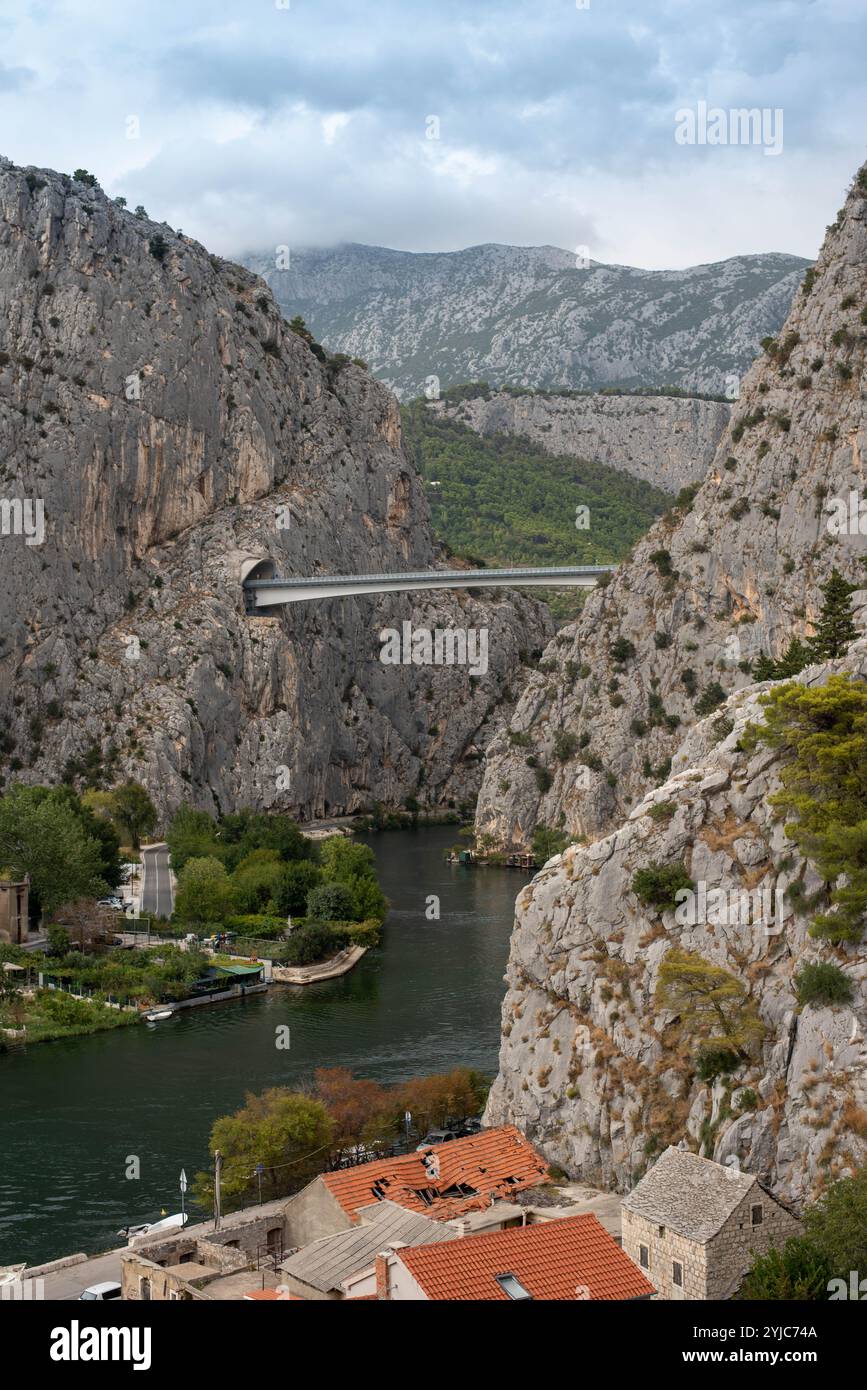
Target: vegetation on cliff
x,y
504,500
822,731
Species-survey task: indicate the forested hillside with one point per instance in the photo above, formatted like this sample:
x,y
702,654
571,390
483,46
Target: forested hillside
x,y
503,500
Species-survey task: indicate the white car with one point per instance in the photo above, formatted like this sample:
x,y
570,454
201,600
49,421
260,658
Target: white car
x,y
102,1292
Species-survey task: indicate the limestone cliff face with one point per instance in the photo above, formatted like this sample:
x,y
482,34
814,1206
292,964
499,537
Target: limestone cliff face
x,y
156,405
710,587
668,441
599,1079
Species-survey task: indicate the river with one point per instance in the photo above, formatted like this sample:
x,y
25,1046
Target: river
x,y
72,1113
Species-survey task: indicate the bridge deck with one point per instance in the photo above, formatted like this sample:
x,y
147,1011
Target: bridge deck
x,y
269,593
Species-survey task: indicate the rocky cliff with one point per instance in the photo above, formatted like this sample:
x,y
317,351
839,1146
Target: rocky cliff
x,y
714,584
534,316
158,414
596,1074
668,441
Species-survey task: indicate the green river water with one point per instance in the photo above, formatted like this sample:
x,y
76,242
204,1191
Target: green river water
x,y
72,1112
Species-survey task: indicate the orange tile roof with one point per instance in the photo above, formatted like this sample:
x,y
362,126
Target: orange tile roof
x,y
499,1161
552,1260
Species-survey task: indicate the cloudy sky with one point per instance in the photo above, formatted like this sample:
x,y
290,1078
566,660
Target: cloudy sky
x,y
433,124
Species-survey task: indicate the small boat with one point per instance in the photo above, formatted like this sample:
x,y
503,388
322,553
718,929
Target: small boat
x,y
156,1014
168,1223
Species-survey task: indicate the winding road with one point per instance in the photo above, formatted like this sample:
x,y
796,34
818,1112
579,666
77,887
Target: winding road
x,y
157,895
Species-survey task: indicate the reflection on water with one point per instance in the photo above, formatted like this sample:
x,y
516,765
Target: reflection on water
x,y
71,1113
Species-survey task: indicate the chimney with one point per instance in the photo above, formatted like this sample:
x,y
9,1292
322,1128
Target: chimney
x,y
382,1276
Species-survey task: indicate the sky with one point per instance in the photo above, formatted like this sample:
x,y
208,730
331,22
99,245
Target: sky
x,y
431,125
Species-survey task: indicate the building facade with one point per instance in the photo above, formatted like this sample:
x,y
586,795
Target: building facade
x,y
14,905
693,1226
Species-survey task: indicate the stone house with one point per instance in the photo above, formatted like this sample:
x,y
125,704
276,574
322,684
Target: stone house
x,y
446,1182
693,1226
202,1263
14,896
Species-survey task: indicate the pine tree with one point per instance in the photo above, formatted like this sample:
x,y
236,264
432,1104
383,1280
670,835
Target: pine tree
x,y
835,628
796,656
765,669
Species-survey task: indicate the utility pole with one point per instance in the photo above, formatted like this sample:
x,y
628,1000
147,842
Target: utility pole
x,y
260,1168
218,1169
183,1186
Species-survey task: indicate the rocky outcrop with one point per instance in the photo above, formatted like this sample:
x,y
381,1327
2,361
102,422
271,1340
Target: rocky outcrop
x,y
156,408
535,316
669,441
595,1075
713,585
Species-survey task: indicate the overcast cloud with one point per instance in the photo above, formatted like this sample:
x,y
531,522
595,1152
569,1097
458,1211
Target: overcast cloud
x,y
255,125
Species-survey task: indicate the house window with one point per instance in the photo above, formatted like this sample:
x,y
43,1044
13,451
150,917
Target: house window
x,y
757,1214
644,1257
660,1232
677,1274
144,1289
513,1288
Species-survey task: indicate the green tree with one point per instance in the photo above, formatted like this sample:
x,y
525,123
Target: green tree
x,y
41,835
314,942
245,831
822,982
547,842
657,885
822,733
289,1133
298,326
837,1225
295,882
796,656
191,835
96,825
713,1005
256,880
835,628
204,891
134,811
797,1273
344,861
331,902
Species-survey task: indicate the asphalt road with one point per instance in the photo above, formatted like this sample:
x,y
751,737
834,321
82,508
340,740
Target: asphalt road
x,y
71,1282
157,898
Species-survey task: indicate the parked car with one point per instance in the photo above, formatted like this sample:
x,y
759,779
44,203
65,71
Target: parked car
x,y
114,903
102,1292
470,1126
436,1136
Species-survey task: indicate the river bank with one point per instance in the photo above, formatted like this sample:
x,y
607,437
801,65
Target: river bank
x,y
73,1113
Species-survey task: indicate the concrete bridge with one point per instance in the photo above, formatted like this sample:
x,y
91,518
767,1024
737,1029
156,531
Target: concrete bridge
x,y
263,590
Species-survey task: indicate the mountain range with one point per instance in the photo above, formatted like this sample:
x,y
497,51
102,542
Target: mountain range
x,y
531,316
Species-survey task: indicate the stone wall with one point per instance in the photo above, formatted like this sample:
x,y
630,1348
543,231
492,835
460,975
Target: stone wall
x,y
712,1270
664,1250
730,1253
